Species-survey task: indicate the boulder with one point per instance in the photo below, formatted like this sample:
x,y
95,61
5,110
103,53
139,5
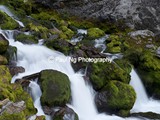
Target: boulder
x,y
14,70
3,44
3,60
55,88
116,97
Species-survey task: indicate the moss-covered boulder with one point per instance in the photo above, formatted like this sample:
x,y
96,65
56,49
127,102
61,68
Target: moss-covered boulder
x,y
101,73
114,44
3,60
3,44
116,97
95,33
7,22
55,88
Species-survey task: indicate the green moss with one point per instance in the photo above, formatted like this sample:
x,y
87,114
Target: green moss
x,y
102,73
26,38
55,88
40,31
95,33
7,22
15,116
122,96
3,60
68,33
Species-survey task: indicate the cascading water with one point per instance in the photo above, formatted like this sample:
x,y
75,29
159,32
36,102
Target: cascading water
x,y
143,103
35,58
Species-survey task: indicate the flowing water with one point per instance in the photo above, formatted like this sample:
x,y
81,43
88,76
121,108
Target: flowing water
x,y
36,57
143,103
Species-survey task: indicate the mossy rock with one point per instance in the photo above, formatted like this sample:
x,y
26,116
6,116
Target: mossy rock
x,y
114,44
60,45
143,59
119,98
40,31
95,33
55,88
28,39
15,116
3,44
101,73
67,33
14,92
3,60
7,22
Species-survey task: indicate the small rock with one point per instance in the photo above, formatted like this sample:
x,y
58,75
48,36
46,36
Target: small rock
x,y
14,70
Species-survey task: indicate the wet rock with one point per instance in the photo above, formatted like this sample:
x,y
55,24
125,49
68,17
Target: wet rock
x,y
148,115
12,108
65,114
14,70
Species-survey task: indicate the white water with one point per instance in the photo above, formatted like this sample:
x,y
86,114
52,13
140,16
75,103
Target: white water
x,y
6,10
143,103
36,94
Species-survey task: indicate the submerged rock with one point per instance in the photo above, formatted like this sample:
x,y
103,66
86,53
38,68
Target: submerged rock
x,y
116,97
55,88
65,114
148,115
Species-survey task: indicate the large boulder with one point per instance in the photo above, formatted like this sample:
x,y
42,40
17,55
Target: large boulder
x,y
116,97
3,44
55,88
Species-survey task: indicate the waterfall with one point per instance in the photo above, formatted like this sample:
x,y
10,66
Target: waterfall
x,y
143,103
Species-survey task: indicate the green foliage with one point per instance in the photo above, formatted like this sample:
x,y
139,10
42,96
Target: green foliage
x,y
55,88
7,22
